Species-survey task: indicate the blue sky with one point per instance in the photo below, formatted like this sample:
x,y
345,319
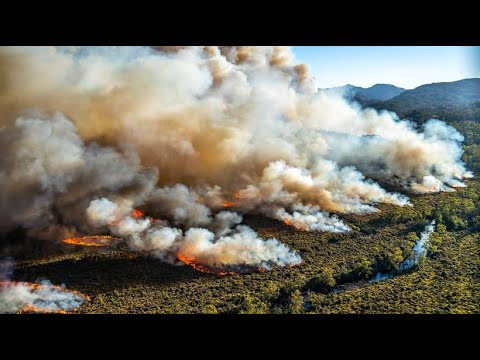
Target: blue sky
x,y
404,66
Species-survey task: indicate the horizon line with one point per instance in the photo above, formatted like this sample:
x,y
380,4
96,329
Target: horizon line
x,y
385,83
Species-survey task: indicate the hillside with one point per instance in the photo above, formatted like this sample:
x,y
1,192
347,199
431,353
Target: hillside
x,y
449,101
379,92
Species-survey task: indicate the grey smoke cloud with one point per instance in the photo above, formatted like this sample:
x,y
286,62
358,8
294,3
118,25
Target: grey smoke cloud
x,y
188,132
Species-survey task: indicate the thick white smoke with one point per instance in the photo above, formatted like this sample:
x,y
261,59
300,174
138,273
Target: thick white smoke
x,y
44,297
186,132
221,247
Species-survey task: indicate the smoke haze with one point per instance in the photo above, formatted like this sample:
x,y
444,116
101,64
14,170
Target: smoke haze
x,y
89,133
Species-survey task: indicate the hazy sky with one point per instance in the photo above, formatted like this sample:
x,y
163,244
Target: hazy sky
x,y
404,66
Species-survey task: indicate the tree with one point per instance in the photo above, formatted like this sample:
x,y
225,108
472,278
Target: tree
x,y
363,269
321,283
441,229
296,299
411,238
210,309
456,222
476,221
253,305
395,258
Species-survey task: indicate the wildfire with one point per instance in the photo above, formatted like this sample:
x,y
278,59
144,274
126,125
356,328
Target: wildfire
x,y
92,240
29,309
231,203
297,225
137,214
34,287
228,203
190,260
233,270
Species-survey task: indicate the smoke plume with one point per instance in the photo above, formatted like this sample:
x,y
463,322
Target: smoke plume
x,y
42,297
89,133
221,247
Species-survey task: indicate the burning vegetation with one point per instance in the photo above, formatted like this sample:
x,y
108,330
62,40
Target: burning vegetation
x,y
43,298
93,240
204,131
190,260
223,269
228,203
137,214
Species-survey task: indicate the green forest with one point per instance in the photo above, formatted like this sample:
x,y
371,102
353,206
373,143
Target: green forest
x,y
333,277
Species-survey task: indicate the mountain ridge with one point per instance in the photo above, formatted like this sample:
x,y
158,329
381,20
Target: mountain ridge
x,y
375,92
454,100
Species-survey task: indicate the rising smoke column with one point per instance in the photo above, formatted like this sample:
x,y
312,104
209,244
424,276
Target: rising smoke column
x,y
187,132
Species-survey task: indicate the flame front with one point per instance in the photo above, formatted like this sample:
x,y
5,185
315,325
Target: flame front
x,y
194,263
92,240
137,214
228,203
29,309
34,287
295,224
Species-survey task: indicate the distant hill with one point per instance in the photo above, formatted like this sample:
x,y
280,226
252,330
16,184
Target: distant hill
x,y
455,100
376,92
457,93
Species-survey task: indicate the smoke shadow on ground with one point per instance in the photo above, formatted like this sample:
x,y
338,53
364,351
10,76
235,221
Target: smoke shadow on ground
x,y
19,246
95,275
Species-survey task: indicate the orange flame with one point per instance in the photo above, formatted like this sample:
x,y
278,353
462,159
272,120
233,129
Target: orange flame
x,y
29,308
298,226
190,260
92,240
228,203
137,214
231,203
194,263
